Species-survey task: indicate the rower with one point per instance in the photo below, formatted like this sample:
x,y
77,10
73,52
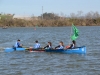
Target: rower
x,y
17,44
37,45
49,46
73,45
60,46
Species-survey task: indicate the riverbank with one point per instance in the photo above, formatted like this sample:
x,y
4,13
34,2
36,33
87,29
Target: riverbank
x,y
49,23
50,20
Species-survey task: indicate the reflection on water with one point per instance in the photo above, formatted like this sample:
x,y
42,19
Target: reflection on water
x,y
41,63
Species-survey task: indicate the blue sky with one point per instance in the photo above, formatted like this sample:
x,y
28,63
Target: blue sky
x,y
30,7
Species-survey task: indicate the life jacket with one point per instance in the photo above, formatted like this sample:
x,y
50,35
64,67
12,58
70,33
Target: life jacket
x,y
17,44
37,45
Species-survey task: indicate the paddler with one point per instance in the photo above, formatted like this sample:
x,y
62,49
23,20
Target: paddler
x,y
49,46
71,46
60,46
37,45
18,44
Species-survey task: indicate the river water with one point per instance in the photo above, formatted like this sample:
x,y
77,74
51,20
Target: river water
x,y
42,63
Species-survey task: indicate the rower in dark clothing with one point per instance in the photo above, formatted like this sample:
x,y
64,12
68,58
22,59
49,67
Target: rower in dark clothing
x,y
73,45
49,46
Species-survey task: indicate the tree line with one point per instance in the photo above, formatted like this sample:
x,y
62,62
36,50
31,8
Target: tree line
x,y
52,20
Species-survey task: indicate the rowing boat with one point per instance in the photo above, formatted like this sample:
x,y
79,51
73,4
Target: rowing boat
x,y
23,49
12,49
79,50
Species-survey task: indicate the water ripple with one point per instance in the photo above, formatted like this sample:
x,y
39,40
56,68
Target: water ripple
x,y
41,63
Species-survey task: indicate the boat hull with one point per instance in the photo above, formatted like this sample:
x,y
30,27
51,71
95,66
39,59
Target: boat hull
x,y
78,50
12,49
8,50
23,49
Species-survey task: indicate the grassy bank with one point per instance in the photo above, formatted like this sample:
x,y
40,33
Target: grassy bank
x,y
46,23
51,19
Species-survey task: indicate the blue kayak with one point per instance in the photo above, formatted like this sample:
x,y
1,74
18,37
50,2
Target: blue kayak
x,y
78,50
